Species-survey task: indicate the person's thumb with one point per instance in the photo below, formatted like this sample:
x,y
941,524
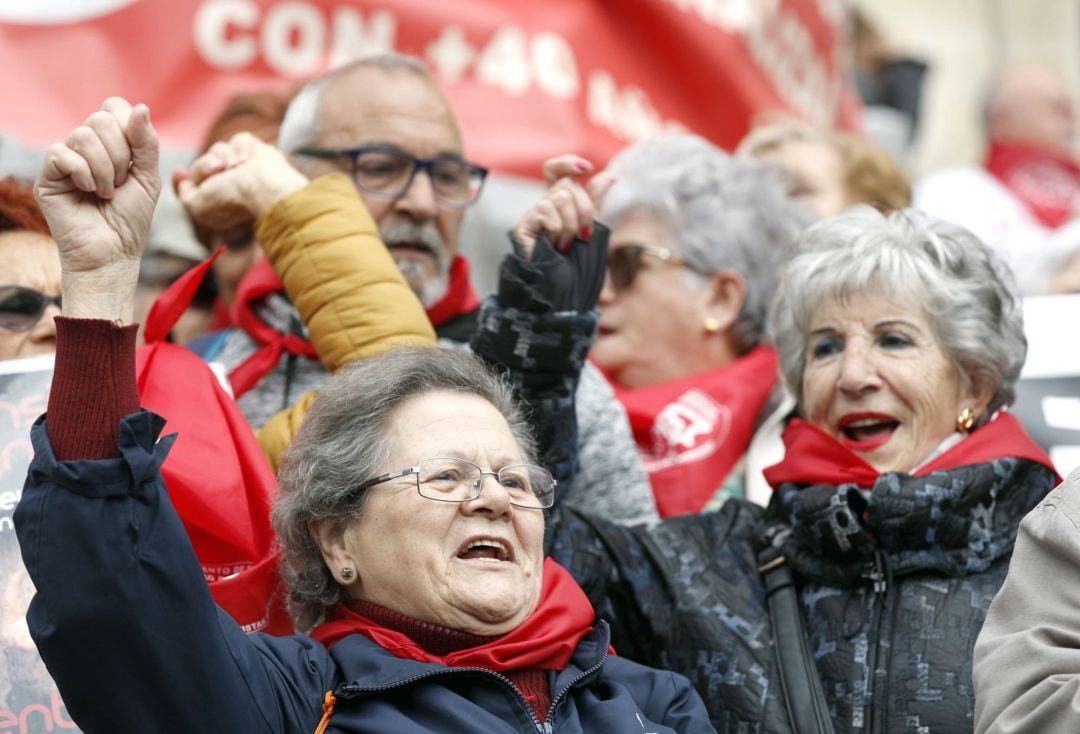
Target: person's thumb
x,y
143,140
598,187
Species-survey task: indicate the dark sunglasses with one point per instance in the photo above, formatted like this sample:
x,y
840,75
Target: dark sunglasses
x,y
624,263
21,307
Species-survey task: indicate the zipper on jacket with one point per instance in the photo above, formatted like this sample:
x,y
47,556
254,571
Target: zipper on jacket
x,y
880,586
557,698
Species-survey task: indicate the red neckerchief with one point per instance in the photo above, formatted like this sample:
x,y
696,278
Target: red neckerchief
x,y
814,457
460,297
258,283
691,432
1047,182
546,639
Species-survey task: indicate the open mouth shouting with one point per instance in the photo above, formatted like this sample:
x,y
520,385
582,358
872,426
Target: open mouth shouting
x,y
864,432
486,550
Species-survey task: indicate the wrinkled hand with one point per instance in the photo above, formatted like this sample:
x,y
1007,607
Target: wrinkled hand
x,y
98,190
235,181
567,210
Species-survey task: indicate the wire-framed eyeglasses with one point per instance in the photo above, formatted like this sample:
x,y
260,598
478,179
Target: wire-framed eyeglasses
x,y
388,172
449,479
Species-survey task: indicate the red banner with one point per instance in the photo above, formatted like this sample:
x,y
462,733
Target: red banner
x,y
527,79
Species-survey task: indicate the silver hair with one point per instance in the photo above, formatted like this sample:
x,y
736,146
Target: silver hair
x,y
300,127
722,213
968,293
342,442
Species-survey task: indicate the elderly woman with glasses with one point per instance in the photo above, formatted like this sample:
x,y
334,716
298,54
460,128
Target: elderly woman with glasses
x,y
411,521
29,275
696,240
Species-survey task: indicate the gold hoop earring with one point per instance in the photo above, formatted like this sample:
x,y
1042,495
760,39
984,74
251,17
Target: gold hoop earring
x,y
711,325
347,573
965,420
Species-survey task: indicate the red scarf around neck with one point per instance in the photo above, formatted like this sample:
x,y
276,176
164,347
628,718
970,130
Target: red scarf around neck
x,y
814,457
692,432
546,639
460,297
1048,183
258,283
261,281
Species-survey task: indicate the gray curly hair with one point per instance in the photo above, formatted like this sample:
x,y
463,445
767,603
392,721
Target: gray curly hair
x,y
342,442
723,213
968,293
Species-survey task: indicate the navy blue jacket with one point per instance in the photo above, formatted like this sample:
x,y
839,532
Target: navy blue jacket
x,y
127,627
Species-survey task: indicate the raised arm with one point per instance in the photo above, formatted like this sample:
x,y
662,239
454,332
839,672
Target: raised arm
x,y
122,616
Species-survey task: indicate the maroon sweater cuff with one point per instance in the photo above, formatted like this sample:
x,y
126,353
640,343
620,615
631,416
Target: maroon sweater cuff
x,y
93,387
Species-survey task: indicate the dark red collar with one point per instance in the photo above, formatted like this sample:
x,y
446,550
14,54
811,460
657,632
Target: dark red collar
x,y
546,639
814,457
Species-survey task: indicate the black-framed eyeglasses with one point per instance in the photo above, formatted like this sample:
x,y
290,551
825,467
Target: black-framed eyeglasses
x,y
382,170
449,479
624,263
22,307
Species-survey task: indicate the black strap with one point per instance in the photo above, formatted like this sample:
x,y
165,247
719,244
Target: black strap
x,y
799,679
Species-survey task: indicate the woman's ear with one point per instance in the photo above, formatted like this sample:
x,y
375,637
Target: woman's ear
x,y
980,391
329,536
727,294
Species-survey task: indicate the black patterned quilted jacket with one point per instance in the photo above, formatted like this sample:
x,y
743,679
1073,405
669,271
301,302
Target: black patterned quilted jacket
x,y
894,587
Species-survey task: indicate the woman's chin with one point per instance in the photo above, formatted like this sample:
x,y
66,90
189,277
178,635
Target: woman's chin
x,y
493,609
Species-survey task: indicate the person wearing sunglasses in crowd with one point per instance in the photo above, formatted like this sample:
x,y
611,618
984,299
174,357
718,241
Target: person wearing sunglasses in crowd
x,y
29,275
697,238
376,150
411,519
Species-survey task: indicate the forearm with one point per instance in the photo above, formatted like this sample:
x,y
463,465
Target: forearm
x,y
339,275
542,354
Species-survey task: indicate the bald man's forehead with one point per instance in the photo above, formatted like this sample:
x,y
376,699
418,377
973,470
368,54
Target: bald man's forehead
x,y
373,105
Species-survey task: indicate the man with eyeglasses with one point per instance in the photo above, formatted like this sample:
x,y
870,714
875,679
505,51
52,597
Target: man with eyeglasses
x,y
384,123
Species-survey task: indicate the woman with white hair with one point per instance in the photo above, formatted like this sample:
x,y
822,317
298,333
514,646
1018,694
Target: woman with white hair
x,y
851,603
697,238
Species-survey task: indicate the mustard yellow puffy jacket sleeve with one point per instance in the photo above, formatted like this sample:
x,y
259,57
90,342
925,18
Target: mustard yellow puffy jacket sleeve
x,y
326,249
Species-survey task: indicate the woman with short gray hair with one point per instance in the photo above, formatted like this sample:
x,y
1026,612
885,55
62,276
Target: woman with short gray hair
x,y
697,238
851,603
343,437
968,293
